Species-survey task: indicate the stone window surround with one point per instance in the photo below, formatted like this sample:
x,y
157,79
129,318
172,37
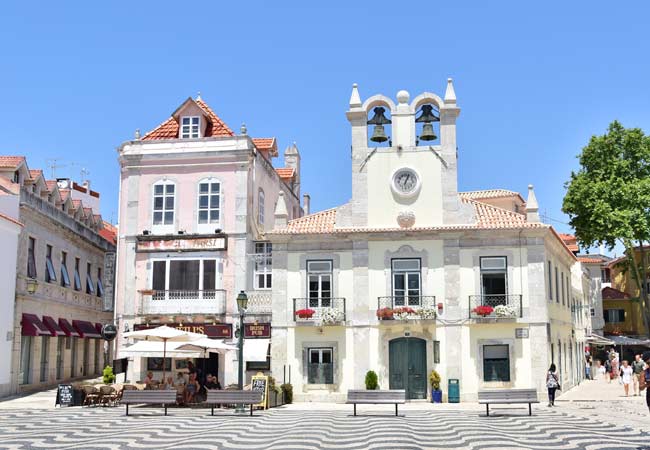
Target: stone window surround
x,y
334,345
336,269
511,356
162,228
406,252
207,227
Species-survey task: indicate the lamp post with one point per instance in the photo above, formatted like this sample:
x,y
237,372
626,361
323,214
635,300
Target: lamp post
x,y
242,303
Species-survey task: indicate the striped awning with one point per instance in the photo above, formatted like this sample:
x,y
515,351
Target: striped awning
x,y
86,329
33,326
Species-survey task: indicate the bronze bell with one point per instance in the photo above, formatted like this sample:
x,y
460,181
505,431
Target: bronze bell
x,y
379,120
427,117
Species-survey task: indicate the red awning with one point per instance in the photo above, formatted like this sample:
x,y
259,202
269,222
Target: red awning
x,y
98,327
67,328
54,327
32,326
86,329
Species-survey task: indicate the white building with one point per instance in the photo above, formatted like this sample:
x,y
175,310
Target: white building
x,y
399,277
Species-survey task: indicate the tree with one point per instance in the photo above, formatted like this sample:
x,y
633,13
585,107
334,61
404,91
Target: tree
x,y
608,199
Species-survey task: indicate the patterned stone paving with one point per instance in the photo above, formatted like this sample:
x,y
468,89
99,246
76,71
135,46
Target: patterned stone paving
x,y
282,428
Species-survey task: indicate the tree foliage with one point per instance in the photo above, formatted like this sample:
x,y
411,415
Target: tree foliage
x,y
608,198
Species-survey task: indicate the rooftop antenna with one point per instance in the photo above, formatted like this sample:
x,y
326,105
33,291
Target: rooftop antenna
x,y
53,164
84,174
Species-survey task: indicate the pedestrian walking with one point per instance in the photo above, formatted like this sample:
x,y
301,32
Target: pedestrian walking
x,y
626,377
615,366
588,368
552,384
645,379
637,367
608,369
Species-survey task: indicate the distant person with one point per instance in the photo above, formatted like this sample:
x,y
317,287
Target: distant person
x,y
626,377
637,367
192,388
552,384
169,384
645,379
212,382
149,381
588,367
180,379
615,366
608,369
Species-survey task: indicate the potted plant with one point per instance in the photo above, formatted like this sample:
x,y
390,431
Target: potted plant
x,y
404,313
434,381
483,310
108,377
385,313
331,316
505,311
306,313
426,313
371,381
287,390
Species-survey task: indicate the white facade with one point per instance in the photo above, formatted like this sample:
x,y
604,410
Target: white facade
x,y
395,276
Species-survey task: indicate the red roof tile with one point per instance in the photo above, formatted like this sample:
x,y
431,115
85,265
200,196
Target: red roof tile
x,y
614,294
590,260
11,162
109,233
286,173
490,193
9,185
266,145
169,128
36,173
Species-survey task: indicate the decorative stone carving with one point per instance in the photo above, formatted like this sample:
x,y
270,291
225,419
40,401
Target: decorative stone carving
x,y
406,219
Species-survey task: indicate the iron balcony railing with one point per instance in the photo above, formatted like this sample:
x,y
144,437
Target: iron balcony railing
x,y
421,307
208,301
499,306
325,310
259,302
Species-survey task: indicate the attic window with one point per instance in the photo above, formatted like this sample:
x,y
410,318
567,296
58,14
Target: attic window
x,y
16,176
190,127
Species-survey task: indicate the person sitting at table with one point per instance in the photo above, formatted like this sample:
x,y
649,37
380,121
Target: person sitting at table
x,y
180,379
212,382
149,381
169,384
192,388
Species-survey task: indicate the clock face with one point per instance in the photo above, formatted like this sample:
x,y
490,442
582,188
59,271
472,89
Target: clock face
x,y
405,181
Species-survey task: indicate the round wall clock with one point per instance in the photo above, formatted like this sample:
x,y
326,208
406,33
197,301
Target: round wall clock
x,y
405,182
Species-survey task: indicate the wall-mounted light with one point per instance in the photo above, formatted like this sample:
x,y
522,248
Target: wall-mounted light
x,y
146,232
32,285
440,306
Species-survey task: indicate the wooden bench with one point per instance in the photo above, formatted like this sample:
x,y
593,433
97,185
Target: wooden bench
x,y
505,396
163,398
362,396
233,397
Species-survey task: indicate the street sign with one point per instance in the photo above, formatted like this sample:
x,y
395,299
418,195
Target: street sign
x,y
109,331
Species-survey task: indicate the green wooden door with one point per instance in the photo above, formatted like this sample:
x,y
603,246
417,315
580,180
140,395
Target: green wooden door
x,y
407,366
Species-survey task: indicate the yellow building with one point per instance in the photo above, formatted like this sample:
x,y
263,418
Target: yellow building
x,y
622,309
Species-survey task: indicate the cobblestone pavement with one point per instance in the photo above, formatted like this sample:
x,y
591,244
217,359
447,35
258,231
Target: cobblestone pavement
x,y
592,416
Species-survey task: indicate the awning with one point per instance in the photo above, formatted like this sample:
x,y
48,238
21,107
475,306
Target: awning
x,y
154,349
624,340
256,349
68,329
32,326
54,327
98,327
86,329
598,340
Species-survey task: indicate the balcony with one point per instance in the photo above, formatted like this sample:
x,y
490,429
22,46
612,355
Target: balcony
x,y
495,306
184,302
321,311
410,307
259,302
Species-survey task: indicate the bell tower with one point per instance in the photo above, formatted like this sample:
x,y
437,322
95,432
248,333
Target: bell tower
x,y
404,161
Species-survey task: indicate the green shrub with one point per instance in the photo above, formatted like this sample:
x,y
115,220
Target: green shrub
x,y
371,380
434,380
287,390
108,375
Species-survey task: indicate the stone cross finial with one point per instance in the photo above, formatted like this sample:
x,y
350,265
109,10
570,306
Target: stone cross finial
x,y
137,134
532,208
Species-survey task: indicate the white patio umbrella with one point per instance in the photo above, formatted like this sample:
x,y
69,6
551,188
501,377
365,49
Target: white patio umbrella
x,y
164,334
208,345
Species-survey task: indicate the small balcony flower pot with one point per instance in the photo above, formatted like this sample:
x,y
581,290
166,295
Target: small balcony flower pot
x,y
305,314
436,396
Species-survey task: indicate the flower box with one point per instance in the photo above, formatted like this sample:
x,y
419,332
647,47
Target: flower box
x,y
331,316
385,313
505,311
484,310
306,313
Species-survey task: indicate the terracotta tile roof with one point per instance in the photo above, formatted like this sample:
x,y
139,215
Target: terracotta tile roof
x,y
109,232
11,162
65,193
266,145
591,260
614,294
11,219
286,173
9,186
51,184
36,173
489,216
489,193
570,241
169,128
320,222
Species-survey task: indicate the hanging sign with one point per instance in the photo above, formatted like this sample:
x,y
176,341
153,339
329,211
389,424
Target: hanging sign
x,y
221,331
180,243
257,331
260,383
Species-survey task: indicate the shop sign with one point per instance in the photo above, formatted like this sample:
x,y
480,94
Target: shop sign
x,y
521,333
180,243
109,331
221,331
257,331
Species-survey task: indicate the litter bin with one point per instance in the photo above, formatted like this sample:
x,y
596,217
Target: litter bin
x,y
453,389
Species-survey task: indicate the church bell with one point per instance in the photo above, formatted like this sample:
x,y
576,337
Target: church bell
x,y
379,120
427,117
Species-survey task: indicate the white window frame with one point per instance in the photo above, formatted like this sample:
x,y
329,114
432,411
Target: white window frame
x,y
408,274
209,226
320,351
320,274
218,281
263,270
163,227
260,207
191,129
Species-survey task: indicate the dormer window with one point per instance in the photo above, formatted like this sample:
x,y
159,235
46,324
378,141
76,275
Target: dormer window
x,y
190,127
17,177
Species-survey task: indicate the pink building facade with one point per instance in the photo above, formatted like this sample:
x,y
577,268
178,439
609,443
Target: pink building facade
x,y
195,199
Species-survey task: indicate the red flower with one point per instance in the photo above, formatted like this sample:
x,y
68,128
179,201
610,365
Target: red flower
x,y
385,313
484,310
404,310
306,313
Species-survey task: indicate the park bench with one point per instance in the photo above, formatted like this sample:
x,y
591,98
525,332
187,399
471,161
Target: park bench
x,y
505,396
233,397
362,396
163,397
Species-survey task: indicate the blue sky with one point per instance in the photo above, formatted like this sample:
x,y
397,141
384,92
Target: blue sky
x,y
534,80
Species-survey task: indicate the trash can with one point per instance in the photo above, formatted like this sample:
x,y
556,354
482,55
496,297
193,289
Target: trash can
x,y
453,390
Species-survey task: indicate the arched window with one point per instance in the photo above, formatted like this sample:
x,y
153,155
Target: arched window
x,y
164,203
260,207
209,207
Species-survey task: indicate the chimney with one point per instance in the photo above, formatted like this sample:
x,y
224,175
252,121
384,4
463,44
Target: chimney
x,y
532,208
306,199
281,215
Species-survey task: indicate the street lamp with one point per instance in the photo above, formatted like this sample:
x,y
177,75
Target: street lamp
x,y
242,303
32,285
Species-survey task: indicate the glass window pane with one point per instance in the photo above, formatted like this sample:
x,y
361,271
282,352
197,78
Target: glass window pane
x,y
493,263
158,189
157,218
214,201
215,188
186,120
203,201
169,202
195,120
314,357
169,218
157,203
495,351
327,357
169,189
203,217
494,283
209,274
214,216
268,281
414,281
184,275
203,188
319,266
406,264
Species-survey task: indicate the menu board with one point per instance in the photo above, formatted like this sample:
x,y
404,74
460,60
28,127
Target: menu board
x,y
260,383
64,395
